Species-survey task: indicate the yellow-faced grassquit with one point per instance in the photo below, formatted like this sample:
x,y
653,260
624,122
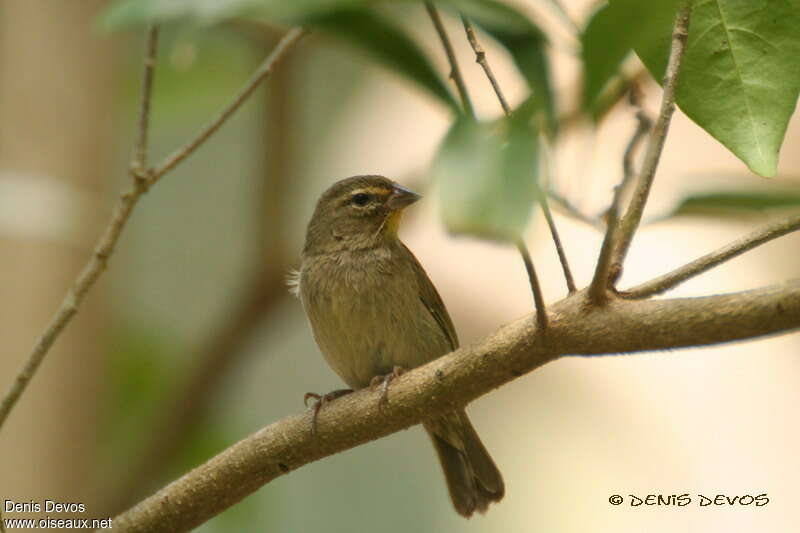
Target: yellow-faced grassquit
x,y
373,311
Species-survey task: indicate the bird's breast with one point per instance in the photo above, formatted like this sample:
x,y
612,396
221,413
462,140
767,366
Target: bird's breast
x,y
366,314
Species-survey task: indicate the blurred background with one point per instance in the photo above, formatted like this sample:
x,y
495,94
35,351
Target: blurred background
x,y
190,342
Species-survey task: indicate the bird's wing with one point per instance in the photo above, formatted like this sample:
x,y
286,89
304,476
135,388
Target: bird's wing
x,y
432,301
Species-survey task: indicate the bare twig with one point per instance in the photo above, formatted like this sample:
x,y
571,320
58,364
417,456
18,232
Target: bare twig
x,y
457,379
643,125
455,72
480,58
707,262
261,73
633,216
605,274
120,216
99,259
562,256
139,166
536,289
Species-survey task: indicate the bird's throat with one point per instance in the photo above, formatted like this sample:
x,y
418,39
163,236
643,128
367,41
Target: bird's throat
x,y
392,224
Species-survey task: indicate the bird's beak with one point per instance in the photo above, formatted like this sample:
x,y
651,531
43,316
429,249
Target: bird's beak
x,y
401,198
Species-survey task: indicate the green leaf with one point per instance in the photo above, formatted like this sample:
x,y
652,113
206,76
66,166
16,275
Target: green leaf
x,y
388,44
741,75
489,171
736,203
350,20
612,32
523,39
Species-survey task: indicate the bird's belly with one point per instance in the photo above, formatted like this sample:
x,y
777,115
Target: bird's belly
x,y
366,333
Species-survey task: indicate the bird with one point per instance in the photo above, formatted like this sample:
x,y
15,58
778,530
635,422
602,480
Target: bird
x,y
374,313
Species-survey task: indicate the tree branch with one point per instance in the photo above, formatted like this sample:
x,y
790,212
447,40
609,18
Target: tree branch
x,y
604,274
707,262
122,211
562,255
536,289
480,58
630,222
139,165
457,379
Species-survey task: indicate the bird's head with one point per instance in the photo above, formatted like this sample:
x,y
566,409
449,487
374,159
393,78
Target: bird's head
x,y
357,212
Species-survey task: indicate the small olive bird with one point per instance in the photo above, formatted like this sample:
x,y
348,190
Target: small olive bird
x,y
374,311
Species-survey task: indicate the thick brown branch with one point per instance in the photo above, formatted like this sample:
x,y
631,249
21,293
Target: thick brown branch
x,y
630,222
457,379
707,262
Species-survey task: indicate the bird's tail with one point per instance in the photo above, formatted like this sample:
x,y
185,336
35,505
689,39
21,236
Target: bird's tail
x,y
472,477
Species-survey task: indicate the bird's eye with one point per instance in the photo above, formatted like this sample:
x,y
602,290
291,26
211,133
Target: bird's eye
x,y
360,199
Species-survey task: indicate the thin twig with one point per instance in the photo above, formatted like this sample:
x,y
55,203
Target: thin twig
x,y
99,259
119,218
633,216
480,58
643,125
455,72
605,273
672,279
261,73
139,165
562,256
536,289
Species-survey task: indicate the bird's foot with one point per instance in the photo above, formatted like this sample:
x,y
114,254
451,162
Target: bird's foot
x,y
319,401
383,383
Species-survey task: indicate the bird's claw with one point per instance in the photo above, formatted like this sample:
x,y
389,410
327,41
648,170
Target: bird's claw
x,y
383,383
319,401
